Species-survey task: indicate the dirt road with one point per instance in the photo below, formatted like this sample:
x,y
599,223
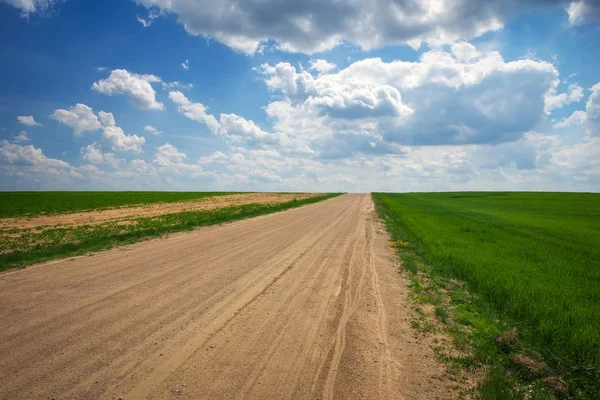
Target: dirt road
x,y
305,304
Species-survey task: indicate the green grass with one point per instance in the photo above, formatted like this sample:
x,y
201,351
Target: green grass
x,y
532,260
65,242
19,204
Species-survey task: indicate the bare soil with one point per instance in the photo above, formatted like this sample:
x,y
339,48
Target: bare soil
x,y
303,304
150,210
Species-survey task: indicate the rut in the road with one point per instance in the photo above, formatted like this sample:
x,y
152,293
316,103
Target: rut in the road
x,y
301,304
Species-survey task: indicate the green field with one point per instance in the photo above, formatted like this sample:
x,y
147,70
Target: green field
x,y
19,204
533,257
19,248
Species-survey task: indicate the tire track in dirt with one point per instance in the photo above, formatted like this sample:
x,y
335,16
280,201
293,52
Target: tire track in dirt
x,y
302,304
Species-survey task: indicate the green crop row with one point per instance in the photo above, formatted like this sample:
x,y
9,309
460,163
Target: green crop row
x,y
533,258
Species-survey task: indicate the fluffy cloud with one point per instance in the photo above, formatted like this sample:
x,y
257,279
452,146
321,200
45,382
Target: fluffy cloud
x,y
16,154
139,87
80,117
93,154
240,130
314,26
194,111
28,120
592,108
152,130
116,137
185,65
583,11
455,97
170,160
556,100
21,137
322,66
590,118
28,7
176,85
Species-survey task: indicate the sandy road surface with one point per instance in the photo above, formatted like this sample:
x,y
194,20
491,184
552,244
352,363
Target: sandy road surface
x,y
304,304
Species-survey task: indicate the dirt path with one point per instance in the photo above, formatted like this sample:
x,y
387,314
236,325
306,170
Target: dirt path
x,y
305,304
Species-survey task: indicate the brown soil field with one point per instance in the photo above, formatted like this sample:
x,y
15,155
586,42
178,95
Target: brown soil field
x,y
303,304
150,210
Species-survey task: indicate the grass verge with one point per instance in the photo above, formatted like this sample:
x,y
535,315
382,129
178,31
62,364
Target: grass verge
x,y
513,279
73,241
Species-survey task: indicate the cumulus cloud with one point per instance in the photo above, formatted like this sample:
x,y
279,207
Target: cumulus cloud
x,y
322,66
21,137
194,111
138,87
238,129
28,120
116,137
455,97
592,108
556,100
169,159
176,85
185,65
29,7
80,117
168,154
315,26
93,154
17,154
590,118
583,11
152,130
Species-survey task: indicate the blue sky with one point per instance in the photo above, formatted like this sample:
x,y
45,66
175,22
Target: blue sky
x,y
373,95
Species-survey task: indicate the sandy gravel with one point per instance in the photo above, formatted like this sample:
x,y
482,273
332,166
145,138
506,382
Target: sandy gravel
x,y
304,304
150,210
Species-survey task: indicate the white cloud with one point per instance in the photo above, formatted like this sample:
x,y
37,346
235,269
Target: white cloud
x,y
176,85
185,65
462,96
216,157
146,22
583,11
322,66
238,129
556,100
316,26
577,118
590,118
116,137
152,130
28,156
139,87
94,155
592,108
21,137
28,120
168,154
170,160
80,117
29,7
194,111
